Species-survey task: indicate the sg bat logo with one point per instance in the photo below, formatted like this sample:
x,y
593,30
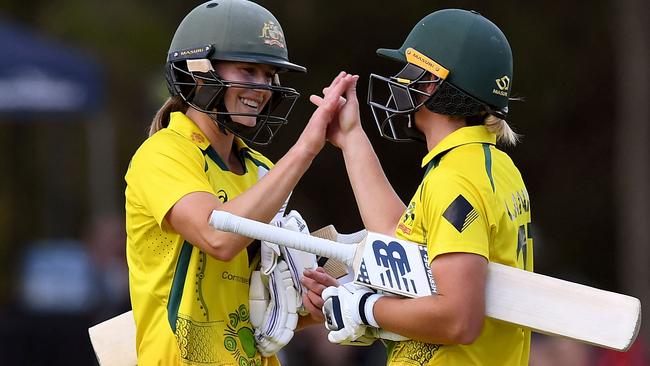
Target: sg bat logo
x,y
393,257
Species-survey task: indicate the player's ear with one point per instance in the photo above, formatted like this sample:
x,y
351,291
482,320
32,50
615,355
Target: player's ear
x,y
429,88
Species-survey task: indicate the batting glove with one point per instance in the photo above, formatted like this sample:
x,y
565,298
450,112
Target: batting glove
x,y
275,329
348,311
297,260
275,291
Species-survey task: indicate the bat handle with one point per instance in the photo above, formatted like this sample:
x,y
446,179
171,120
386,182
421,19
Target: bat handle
x,y
226,221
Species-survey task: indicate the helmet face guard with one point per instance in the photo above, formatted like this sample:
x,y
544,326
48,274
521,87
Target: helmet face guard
x,y
465,50
200,87
393,100
254,36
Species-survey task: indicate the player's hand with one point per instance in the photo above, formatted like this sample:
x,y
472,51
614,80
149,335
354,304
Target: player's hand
x,y
314,135
347,120
348,311
315,281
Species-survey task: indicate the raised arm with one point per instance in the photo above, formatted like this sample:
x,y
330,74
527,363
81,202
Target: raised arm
x,y
189,216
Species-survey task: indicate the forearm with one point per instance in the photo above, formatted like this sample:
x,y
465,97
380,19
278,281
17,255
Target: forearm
x,y
454,315
380,207
427,319
261,201
190,215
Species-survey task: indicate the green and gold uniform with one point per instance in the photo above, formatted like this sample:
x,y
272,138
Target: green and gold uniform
x,y
189,308
472,200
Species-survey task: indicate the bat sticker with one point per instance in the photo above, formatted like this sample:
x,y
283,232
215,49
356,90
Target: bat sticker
x,y
393,258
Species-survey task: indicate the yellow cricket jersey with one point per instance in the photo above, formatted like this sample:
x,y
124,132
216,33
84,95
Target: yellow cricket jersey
x,y
189,308
472,199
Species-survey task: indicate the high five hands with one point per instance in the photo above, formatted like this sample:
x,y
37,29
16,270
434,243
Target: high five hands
x,y
345,120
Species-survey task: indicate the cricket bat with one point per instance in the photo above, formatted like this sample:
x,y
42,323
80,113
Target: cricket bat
x,y
541,303
114,341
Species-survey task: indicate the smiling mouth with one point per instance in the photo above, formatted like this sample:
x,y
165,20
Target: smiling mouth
x,y
251,103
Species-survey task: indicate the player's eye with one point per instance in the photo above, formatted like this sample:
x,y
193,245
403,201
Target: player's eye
x,y
269,77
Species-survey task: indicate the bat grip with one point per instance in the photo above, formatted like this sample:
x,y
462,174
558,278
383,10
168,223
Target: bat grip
x,y
225,221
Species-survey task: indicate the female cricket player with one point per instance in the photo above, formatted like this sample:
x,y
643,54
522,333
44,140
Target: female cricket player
x,y
471,207
189,283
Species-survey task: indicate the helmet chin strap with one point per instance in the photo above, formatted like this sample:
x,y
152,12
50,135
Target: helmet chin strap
x,y
415,134
226,117
210,101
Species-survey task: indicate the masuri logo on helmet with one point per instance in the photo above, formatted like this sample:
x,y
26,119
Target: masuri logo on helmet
x,y
503,84
230,30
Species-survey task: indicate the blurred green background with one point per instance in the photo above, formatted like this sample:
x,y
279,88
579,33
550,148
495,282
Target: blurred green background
x,y
582,69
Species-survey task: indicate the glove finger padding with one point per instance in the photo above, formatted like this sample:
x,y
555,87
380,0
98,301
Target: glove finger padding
x,y
270,251
297,260
281,269
269,255
280,318
258,298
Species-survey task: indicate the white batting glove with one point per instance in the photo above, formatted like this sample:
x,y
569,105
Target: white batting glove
x,y
270,252
258,299
277,325
297,260
276,291
269,255
348,312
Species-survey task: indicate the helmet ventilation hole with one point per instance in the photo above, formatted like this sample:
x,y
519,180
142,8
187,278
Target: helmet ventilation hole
x,y
212,5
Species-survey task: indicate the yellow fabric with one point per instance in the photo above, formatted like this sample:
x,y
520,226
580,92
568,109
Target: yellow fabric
x,y
189,308
473,200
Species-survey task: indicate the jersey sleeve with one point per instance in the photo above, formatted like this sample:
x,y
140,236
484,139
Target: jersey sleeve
x,y
162,173
456,216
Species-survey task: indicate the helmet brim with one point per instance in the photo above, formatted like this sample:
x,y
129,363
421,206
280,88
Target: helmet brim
x,y
395,55
281,64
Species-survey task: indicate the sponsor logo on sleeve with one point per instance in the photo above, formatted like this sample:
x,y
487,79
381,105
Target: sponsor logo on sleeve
x,y
460,213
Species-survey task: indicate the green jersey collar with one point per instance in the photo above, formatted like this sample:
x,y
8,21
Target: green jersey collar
x,y
181,124
462,136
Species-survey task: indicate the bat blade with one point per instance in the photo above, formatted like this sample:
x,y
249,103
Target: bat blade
x,y
541,303
557,307
114,341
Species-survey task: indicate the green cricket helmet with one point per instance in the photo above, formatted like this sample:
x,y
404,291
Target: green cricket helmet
x,y
230,30
464,53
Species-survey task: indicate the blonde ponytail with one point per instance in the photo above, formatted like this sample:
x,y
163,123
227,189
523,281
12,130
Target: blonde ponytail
x,y
161,119
500,127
